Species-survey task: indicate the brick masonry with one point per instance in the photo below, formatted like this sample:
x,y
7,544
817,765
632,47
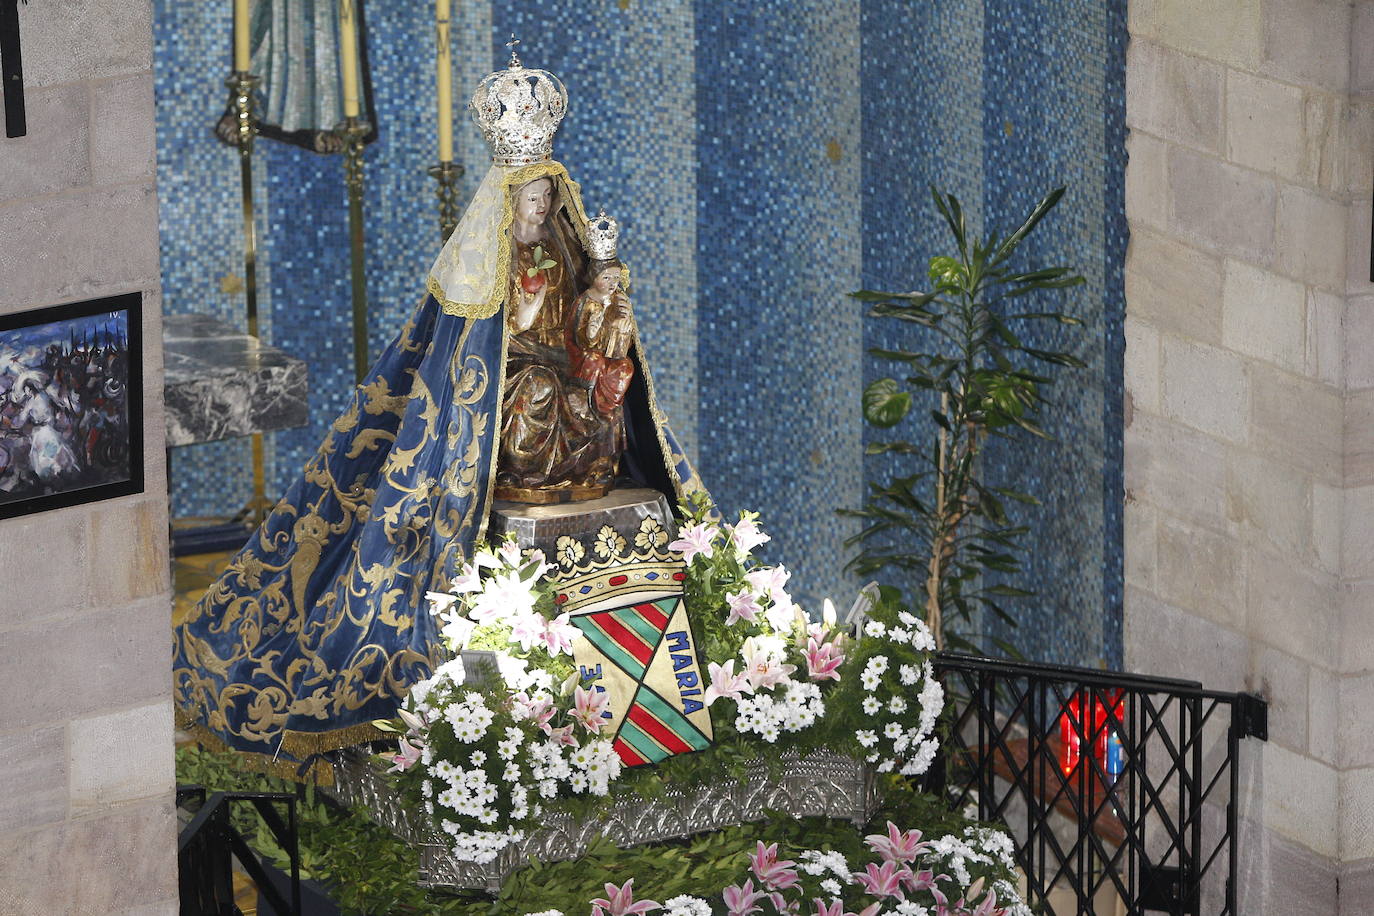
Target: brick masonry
x,y
1249,379
87,824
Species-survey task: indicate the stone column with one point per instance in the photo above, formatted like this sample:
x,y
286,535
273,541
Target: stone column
x,y
87,824
1248,201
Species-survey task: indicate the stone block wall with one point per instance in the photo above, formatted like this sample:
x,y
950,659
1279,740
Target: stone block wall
x,y
1249,369
87,824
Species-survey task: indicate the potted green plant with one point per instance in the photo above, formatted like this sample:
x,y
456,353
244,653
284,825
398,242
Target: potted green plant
x,y
943,528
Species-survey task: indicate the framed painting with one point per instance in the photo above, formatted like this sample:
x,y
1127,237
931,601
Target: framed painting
x,y
71,400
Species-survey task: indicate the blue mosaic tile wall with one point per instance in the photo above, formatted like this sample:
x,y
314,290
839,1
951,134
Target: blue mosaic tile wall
x,y
764,160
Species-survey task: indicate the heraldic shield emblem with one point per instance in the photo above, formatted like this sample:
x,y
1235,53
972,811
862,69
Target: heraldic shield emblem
x,y
637,645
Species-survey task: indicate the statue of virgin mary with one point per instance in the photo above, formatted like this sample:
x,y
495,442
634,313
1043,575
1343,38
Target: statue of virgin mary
x,y
319,624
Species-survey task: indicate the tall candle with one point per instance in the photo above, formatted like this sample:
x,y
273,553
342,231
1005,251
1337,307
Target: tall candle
x,y
444,71
348,56
241,56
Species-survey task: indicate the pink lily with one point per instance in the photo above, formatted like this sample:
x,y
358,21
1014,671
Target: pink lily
x,y
745,535
775,875
503,595
539,709
558,634
620,901
741,901
767,579
744,605
563,736
527,629
415,722
469,580
509,552
988,906
924,879
897,846
725,683
588,705
440,602
836,908
782,615
485,559
409,756
822,661
885,881
762,669
782,907
696,539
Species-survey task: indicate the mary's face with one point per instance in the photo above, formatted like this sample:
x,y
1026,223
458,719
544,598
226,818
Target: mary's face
x,y
532,201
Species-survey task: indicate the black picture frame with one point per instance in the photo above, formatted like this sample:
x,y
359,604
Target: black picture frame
x,y
71,381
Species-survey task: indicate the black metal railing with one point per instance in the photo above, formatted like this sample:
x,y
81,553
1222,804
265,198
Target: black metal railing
x,y
1119,790
210,843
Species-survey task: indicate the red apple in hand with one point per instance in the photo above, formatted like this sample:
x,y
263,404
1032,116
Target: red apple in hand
x,y
532,279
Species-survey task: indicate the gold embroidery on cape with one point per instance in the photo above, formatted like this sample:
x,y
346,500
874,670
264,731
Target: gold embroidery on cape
x,y
359,595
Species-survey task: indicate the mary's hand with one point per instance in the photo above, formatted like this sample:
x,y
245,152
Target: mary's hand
x,y
527,310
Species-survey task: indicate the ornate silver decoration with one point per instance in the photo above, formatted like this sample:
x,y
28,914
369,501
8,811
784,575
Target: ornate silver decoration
x,y
518,111
823,784
602,234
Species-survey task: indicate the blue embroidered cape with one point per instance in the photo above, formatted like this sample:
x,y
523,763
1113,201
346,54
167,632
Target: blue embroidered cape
x,y
319,624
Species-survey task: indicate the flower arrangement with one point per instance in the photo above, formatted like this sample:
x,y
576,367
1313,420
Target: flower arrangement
x,y
488,752
905,875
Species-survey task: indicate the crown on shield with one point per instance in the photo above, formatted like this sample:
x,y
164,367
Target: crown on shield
x,y
519,110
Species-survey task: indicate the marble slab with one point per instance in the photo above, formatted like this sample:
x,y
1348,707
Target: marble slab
x,y
220,383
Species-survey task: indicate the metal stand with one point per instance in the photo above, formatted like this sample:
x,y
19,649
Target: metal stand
x,y
242,86
353,130
447,174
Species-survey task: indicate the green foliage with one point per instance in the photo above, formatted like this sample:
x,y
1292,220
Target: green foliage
x,y
941,526
703,864
365,868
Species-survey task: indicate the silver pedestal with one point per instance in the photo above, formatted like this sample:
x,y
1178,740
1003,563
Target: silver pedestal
x,y
540,526
819,785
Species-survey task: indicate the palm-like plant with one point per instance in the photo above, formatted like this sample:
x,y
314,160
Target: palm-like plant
x,y
944,528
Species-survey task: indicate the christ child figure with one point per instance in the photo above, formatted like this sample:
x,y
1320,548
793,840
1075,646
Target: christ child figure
x,y
602,328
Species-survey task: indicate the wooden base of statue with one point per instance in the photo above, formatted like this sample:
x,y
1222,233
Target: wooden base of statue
x,y
542,526
550,496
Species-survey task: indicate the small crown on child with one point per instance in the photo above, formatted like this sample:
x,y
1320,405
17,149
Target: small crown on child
x,y
602,234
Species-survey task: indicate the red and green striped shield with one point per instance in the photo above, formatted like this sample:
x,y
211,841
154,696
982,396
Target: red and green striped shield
x,y
637,645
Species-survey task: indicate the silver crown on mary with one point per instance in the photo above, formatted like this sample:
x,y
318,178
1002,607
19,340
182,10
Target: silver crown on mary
x,y
602,234
519,110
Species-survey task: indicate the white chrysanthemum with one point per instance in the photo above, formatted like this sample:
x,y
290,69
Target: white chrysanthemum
x,y
685,905
871,705
910,908
908,674
896,705
832,887
867,737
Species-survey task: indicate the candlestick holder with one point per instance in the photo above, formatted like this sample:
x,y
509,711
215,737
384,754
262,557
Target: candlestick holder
x,y
243,88
447,174
353,130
